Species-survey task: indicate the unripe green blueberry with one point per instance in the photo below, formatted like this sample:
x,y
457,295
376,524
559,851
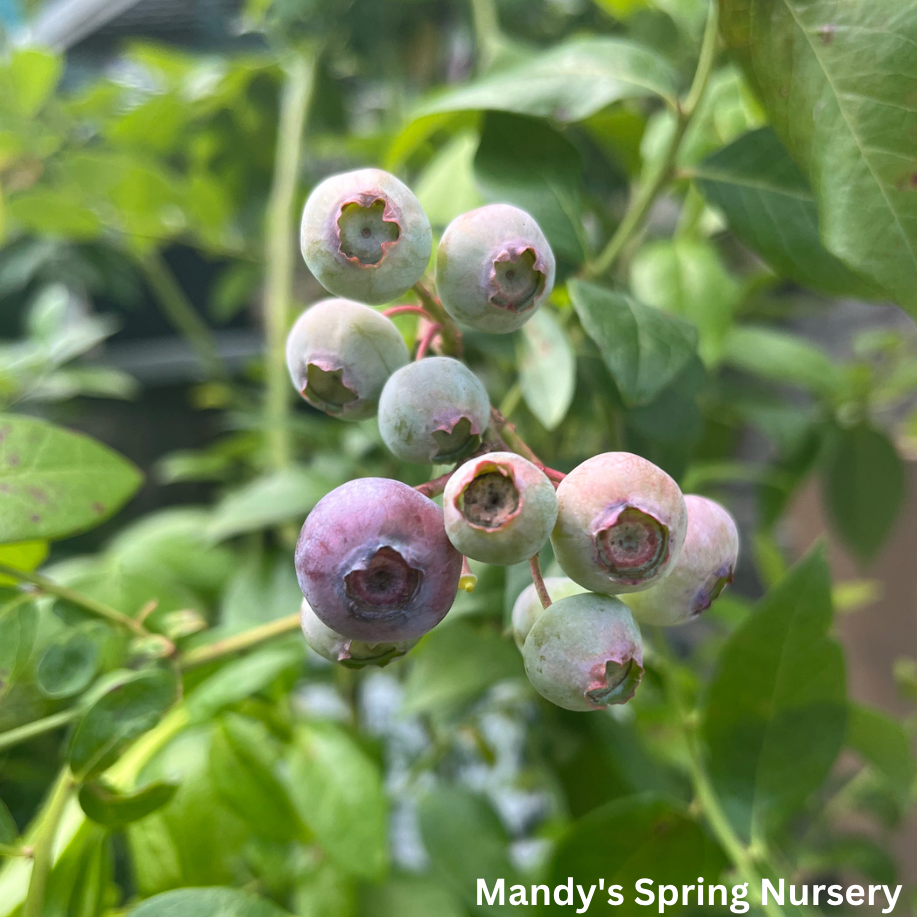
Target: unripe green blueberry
x,y
585,652
352,654
527,609
365,236
374,563
433,410
494,268
704,568
499,508
340,353
621,523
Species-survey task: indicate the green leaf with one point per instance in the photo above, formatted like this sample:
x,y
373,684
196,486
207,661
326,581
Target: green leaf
x,y
115,809
411,896
863,486
127,710
9,830
71,660
30,78
570,82
783,358
466,842
776,716
770,207
643,348
837,81
454,665
338,792
632,838
18,627
446,187
885,744
686,277
547,368
240,679
55,482
207,902
280,497
326,892
243,773
174,542
525,162
24,556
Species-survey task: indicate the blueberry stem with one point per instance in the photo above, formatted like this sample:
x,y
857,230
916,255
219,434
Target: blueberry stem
x,y
435,487
426,339
452,337
407,310
538,580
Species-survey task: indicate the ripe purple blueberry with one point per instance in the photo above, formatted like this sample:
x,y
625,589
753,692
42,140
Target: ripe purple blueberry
x,y
585,653
527,609
340,354
494,268
352,654
621,523
704,568
365,236
374,563
499,508
434,410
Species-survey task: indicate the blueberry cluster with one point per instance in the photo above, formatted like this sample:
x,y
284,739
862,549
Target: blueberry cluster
x,y
380,563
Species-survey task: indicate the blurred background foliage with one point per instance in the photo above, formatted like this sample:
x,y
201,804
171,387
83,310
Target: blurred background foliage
x,y
139,176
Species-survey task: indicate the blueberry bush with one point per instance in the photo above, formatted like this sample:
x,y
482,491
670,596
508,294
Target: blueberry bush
x,y
481,568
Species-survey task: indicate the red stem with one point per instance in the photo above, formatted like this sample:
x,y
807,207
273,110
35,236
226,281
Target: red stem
x,y
435,487
407,310
427,339
538,580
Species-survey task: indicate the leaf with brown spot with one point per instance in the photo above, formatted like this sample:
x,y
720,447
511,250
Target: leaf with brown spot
x,y
56,482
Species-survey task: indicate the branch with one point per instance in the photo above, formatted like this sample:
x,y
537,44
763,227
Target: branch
x,y
705,793
452,337
38,727
43,846
649,191
278,254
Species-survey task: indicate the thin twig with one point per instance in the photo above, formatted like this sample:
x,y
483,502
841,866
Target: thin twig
x,y
538,580
452,337
427,339
94,607
247,640
407,310
435,487
37,727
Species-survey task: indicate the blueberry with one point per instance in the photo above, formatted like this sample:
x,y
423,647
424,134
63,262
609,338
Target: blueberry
x,y
374,562
365,236
585,652
703,569
352,654
621,523
340,353
499,508
528,608
434,410
494,268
